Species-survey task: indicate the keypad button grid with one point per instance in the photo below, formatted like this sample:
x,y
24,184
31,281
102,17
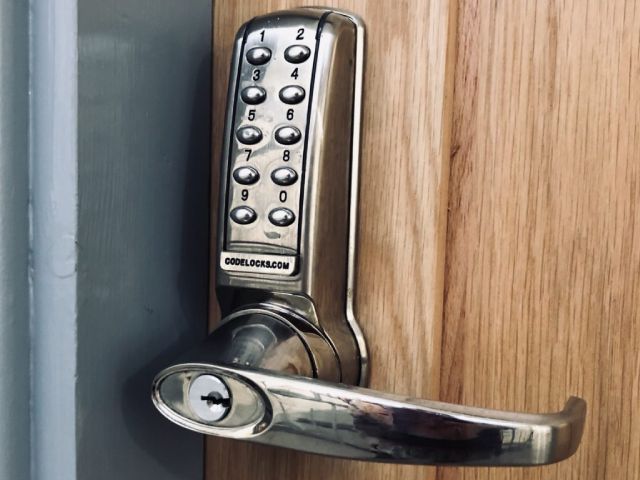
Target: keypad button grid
x,y
277,108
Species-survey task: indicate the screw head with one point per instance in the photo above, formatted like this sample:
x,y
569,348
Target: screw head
x,y
209,398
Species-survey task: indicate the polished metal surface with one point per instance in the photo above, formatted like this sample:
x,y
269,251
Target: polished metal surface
x,y
249,135
270,337
354,189
243,215
284,176
265,338
253,95
292,94
246,175
258,55
297,53
362,424
329,189
281,217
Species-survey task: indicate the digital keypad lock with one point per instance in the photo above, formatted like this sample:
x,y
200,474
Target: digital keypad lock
x,y
287,364
292,77
289,172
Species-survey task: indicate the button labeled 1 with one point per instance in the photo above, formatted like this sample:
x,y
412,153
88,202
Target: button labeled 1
x,y
258,55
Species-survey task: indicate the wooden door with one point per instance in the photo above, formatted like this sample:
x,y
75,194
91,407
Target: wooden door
x,y
499,235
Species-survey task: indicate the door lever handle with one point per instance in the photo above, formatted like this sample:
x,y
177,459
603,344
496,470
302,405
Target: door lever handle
x,y
259,377
359,423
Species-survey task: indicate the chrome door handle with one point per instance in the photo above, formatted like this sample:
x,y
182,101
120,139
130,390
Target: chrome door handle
x,y
278,368
362,424
245,383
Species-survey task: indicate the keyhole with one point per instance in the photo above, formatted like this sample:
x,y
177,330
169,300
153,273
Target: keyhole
x,y
214,398
209,398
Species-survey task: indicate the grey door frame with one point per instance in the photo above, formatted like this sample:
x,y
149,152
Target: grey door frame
x,y
104,194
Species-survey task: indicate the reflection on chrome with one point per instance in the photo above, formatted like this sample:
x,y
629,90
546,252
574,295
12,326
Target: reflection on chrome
x,y
358,423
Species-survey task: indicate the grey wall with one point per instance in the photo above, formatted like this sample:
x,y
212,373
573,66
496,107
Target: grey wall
x,y
14,231
117,133
143,220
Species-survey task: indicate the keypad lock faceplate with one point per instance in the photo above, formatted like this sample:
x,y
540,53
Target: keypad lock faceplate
x,y
289,176
267,148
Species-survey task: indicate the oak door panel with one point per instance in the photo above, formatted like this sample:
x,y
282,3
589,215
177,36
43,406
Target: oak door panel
x,y
404,175
536,107
543,244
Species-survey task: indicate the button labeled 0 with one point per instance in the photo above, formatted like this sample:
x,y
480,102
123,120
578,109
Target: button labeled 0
x,y
284,176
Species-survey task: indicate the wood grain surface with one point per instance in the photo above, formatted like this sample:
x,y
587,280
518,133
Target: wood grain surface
x,y
542,279
543,244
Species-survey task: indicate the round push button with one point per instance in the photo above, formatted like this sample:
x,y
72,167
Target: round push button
x,y
258,55
281,217
292,94
249,135
288,135
243,215
246,175
284,176
253,95
297,53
